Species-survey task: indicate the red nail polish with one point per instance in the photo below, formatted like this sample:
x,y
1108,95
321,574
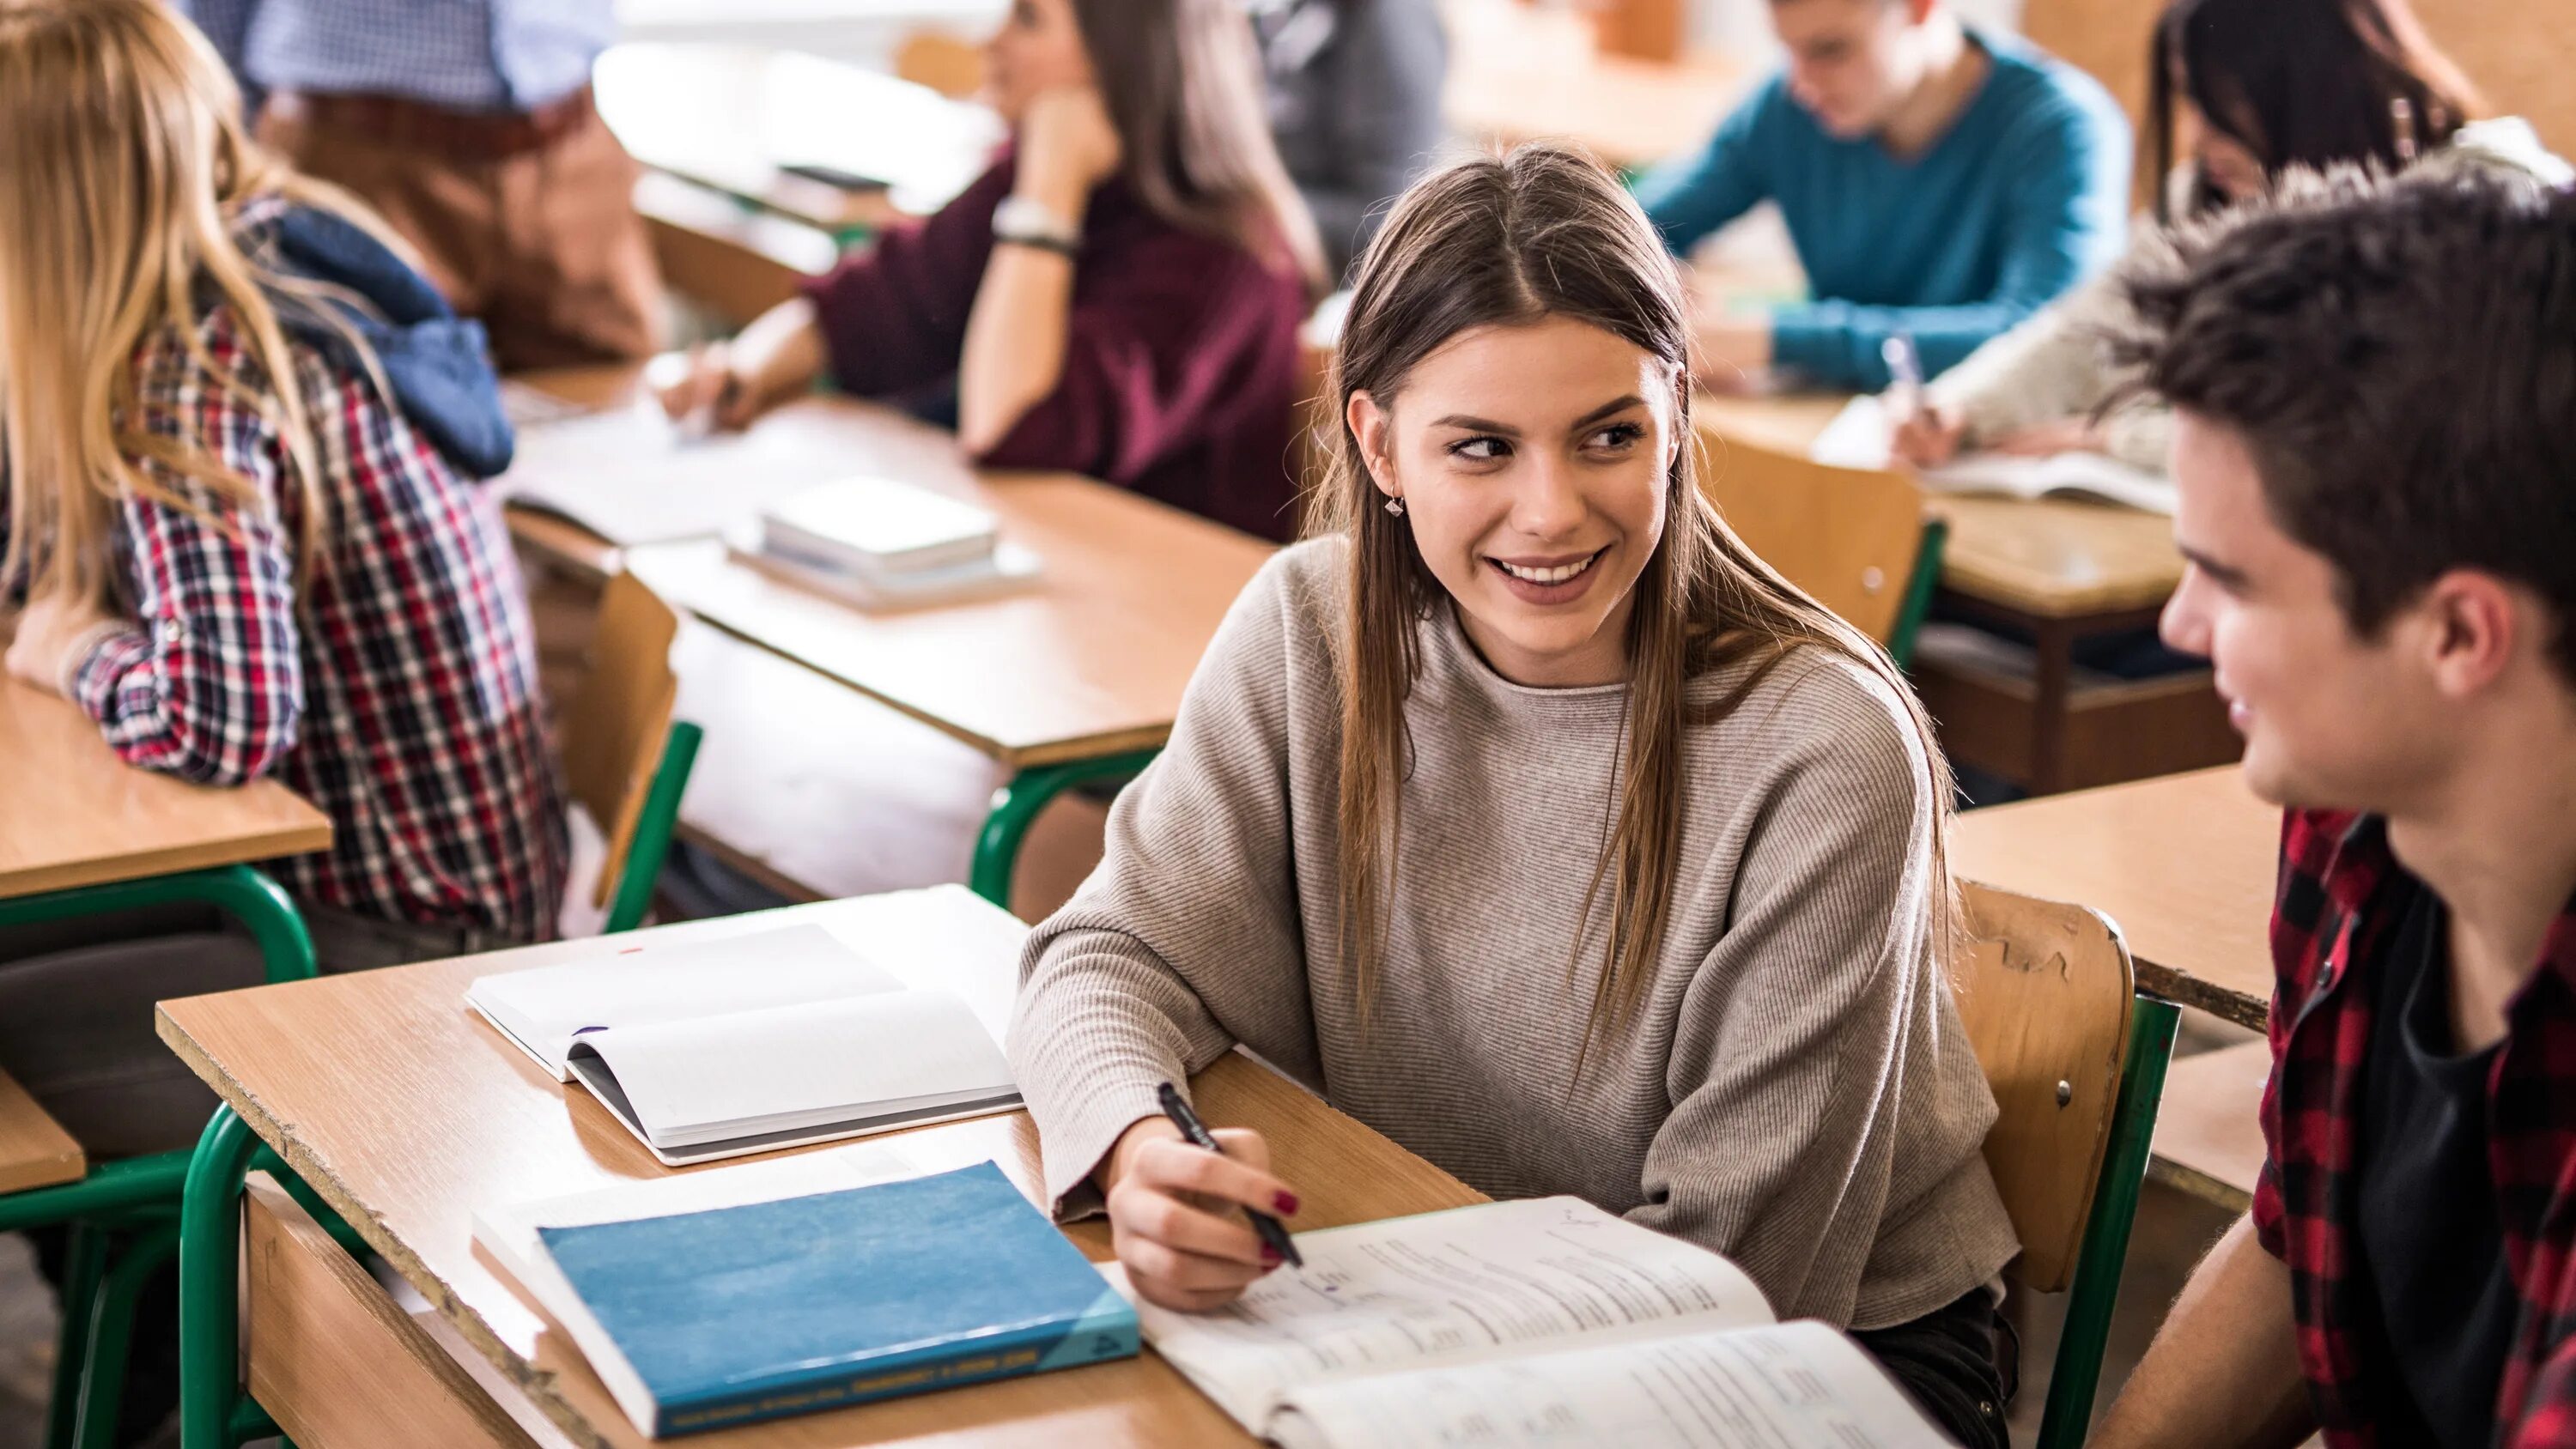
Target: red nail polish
x,y
1286,1203
1270,1258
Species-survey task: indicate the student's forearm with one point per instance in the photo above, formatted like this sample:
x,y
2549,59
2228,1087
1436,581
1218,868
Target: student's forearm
x,y
781,352
1015,332
2224,1371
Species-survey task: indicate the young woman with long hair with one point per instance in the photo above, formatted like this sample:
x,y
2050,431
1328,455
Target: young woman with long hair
x,y
242,444
1119,295
1535,822
2239,90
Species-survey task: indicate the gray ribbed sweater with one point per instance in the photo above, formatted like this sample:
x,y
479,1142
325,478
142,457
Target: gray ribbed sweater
x,y
1796,1091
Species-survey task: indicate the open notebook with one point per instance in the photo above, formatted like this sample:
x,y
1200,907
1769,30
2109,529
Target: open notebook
x,y
752,1042
633,477
1540,1322
1858,438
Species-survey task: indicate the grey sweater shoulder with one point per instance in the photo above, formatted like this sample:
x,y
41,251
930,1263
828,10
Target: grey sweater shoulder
x,y
1795,1090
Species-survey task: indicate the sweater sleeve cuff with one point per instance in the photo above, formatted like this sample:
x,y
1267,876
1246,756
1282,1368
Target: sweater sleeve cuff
x,y
1074,1146
95,662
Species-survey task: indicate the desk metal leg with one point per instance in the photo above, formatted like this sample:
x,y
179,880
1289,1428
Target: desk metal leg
x,y
209,1271
99,1303
997,849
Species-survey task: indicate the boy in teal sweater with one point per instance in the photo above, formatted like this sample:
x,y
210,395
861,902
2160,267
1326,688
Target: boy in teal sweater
x,y
1939,183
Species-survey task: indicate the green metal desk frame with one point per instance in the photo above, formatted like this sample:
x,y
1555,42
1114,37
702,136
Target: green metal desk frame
x,y
124,1215
997,849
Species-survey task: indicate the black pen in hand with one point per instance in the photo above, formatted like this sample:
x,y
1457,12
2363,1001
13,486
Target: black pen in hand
x,y
1273,1236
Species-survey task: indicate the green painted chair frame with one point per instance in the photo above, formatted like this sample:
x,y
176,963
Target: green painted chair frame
x,y
215,1412
124,1215
1919,588
1015,805
2077,1370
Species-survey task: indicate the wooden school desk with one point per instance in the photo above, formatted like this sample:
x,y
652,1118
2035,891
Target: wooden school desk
x,y
1077,676
76,815
2185,864
2061,572
1521,73
733,118
405,1112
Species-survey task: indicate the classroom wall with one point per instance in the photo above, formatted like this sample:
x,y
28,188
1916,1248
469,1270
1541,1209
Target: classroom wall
x,y
1744,26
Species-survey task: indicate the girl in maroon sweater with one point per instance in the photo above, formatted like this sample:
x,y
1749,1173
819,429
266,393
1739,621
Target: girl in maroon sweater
x,y
1118,296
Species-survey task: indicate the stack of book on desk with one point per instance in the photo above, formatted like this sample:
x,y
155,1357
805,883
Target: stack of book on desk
x,y
879,543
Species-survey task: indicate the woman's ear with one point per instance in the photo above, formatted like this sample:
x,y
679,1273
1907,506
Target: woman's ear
x,y
1370,425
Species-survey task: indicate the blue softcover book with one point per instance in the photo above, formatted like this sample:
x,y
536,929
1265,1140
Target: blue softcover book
x,y
710,1319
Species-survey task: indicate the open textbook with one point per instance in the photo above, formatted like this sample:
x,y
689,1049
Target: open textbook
x,y
1543,1322
632,476
1858,438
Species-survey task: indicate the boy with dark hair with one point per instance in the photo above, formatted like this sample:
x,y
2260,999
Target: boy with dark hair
x,y
2375,456
1940,184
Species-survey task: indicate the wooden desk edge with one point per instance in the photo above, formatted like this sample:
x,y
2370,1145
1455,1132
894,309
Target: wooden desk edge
x,y
303,838
538,1386
1017,757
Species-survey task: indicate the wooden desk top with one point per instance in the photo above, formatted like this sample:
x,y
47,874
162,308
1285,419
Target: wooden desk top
x,y
1090,659
2186,864
731,117
405,1112
77,815
1520,73
2051,558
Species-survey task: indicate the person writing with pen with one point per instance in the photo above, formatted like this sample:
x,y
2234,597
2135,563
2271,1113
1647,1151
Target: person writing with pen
x,y
1528,817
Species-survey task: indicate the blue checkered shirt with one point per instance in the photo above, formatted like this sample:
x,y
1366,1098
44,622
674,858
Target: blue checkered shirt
x,y
484,55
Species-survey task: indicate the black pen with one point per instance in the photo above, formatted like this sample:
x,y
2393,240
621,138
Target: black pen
x,y
1273,1236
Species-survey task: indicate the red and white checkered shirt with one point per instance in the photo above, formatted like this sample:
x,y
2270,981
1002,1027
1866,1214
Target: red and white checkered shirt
x,y
396,689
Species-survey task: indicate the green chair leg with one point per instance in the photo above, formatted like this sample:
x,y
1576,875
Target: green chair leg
x,y
111,1332
997,849
2095,1292
85,1264
209,1275
653,827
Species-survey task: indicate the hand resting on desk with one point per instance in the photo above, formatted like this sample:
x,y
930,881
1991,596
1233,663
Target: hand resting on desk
x,y
53,634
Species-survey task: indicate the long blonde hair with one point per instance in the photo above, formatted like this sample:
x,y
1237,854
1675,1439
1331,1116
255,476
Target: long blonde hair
x,y
123,164
1508,241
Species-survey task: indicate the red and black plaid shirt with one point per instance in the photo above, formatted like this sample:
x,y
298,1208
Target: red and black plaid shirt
x,y
2342,896
396,690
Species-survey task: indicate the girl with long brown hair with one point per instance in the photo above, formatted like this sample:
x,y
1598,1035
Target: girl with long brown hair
x,y
1119,295
1536,823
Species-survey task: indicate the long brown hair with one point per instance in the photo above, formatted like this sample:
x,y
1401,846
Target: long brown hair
x,y
1545,232
1182,81
123,166
2304,83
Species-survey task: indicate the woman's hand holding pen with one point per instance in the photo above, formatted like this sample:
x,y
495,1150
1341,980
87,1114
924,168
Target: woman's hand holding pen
x,y
1928,436
1176,1213
728,384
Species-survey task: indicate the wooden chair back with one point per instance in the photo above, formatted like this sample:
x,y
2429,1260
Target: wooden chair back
x,y
35,1151
1849,537
2045,991
946,64
620,716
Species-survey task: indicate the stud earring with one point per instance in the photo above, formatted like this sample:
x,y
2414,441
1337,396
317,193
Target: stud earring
x,y
1395,506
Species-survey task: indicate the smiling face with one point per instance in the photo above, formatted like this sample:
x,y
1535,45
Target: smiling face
x,y
1532,461
1038,48
2330,719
